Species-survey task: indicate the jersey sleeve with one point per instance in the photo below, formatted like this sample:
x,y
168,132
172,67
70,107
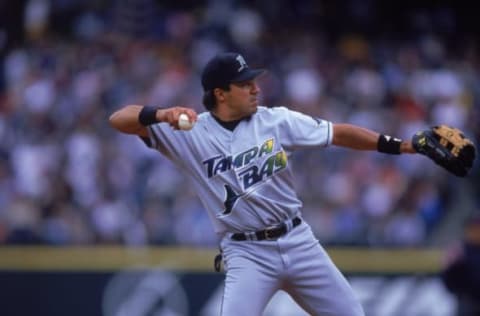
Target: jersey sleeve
x,y
300,130
171,143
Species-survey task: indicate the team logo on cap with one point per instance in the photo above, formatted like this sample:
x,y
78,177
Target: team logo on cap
x,y
242,62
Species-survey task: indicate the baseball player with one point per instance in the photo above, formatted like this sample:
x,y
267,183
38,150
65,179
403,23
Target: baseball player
x,y
237,156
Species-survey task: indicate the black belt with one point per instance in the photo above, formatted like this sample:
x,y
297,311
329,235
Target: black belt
x,y
267,234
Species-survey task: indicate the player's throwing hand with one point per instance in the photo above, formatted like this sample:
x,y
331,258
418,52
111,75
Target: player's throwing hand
x,y
173,116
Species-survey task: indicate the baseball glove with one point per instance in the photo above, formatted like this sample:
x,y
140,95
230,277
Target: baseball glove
x,y
446,146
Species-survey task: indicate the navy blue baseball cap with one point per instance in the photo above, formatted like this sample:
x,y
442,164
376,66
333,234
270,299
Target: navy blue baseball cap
x,y
226,68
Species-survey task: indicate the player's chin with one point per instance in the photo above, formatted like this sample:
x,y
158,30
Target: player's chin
x,y
254,105
253,109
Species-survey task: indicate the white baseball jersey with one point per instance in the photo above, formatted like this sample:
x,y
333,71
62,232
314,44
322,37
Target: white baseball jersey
x,y
245,182
230,168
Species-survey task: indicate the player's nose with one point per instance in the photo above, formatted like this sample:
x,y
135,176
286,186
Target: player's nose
x,y
255,88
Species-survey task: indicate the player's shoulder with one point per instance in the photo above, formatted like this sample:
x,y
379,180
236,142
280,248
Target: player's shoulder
x,y
281,114
272,111
203,116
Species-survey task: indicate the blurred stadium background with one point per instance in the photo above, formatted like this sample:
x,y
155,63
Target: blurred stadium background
x,y
81,203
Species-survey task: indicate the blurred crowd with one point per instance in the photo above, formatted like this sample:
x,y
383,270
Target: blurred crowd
x,y
67,178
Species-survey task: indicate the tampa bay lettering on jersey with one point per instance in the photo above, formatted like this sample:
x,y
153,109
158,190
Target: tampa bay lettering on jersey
x,y
253,174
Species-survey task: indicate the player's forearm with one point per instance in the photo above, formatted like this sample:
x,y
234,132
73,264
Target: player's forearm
x,y
126,120
133,119
355,137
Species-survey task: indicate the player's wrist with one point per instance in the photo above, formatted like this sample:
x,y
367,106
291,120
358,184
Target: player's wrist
x,y
406,147
389,145
161,115
149,115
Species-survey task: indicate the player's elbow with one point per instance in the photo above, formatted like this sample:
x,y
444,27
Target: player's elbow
x,y
121,121
115,120
126,121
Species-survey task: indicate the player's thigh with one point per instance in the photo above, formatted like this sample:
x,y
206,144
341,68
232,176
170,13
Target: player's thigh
x,y
248,287
319,287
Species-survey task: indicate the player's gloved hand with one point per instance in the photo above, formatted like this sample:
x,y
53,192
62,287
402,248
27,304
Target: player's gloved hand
x,y
446,146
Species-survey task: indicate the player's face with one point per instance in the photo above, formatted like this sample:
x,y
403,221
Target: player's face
x,y
242,99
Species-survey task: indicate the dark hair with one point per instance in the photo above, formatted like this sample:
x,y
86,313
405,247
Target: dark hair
x,y
209,100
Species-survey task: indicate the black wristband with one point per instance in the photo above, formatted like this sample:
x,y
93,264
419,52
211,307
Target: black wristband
x,y
148,115
389,145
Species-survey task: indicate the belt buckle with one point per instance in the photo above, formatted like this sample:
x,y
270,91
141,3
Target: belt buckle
x,y
270,230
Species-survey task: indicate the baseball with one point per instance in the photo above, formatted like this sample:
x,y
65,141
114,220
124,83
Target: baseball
x,y
184,122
